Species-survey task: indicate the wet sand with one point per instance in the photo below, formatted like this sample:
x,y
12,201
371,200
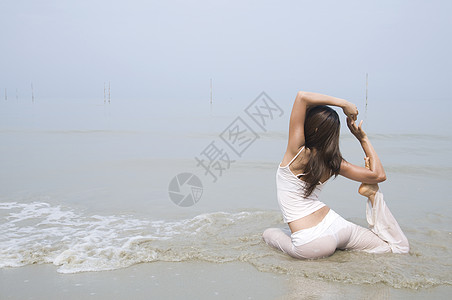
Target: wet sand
x,y
189,280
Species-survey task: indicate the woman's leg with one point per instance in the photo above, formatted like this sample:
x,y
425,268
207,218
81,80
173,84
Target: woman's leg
x,y
278,239
323,246
385,234
311,243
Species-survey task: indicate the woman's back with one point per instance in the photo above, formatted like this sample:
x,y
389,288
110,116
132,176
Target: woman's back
x,y
301,161
299,209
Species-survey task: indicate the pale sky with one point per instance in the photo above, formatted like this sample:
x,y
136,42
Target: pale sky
x,y
169,50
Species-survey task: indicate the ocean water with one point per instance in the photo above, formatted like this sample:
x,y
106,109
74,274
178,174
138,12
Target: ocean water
x,y
85,186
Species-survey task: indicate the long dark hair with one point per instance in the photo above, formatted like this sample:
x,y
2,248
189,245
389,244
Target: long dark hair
x,y
321,130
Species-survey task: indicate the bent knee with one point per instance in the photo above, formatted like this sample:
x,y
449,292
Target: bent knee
x,y
269,233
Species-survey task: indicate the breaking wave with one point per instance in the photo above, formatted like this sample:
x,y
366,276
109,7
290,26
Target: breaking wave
x,y
38,232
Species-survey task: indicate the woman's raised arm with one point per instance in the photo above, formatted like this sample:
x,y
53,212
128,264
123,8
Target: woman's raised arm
x,y
376,172
303,101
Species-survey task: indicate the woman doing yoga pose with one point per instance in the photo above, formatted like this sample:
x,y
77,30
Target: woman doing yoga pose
x,y
311,158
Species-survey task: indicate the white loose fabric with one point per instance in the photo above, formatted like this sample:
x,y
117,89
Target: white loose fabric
x,y
383,224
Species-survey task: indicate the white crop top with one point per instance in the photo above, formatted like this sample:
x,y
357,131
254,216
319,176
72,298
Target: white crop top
x,y
290,192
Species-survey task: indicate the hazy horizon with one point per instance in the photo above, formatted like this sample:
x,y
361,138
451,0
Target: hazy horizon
x,y
166,53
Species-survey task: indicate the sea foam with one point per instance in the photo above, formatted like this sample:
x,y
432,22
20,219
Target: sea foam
x,y
38,232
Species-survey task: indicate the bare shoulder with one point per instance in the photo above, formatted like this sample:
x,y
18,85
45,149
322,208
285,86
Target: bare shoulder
x,y
291,153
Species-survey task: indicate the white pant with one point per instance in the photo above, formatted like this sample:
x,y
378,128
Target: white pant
x,y
334,232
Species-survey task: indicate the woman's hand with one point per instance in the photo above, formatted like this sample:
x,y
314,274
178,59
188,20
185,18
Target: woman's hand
x,y
367,163
350,110
357,131
373,172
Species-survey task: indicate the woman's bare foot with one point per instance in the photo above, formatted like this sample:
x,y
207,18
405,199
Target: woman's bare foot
x,y
366,189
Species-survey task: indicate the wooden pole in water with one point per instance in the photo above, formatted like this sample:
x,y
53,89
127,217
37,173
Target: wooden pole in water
x,y
109,94
367,81
210,90
6,96
32,93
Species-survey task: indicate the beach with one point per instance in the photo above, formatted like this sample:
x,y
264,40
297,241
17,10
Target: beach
x,y
190,280
140,140
85,208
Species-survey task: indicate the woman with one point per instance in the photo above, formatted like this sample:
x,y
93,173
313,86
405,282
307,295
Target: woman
x,y
311,158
